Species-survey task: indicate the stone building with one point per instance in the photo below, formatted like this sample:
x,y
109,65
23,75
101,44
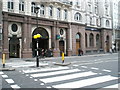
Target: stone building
x,y
65,26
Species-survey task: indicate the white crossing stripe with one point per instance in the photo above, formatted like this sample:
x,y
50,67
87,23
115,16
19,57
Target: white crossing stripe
x,y
67,77
54,73
4,76
9,80
42,70
106,70
94,68
1,73
84,66
86,82
15,86
112,86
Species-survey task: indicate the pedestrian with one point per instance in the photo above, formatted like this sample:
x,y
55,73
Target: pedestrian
x,y
111,50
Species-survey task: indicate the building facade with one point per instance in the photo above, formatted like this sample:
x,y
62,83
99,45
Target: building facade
x,y
65,26
0,28
115,24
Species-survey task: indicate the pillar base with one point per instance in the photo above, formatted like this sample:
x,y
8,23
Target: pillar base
x,y
56,53
69,52
27,54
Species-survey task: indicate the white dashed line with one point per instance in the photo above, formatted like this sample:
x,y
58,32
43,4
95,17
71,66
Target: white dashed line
x,y
1,73
83,66
9,80
94,68
106,70
15,86
4,76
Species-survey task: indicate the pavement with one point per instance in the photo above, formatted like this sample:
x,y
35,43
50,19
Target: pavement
x,y
42,61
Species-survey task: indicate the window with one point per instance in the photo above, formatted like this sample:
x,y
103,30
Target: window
x,y
50,10
10,4
21,6
90,20
97,40
58,12
42,12
96,10
78,17
106,11
33,7
91,40
107,23
65,14
89,8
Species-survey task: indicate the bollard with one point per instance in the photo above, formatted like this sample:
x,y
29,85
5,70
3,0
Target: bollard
x,y
3,60
62,57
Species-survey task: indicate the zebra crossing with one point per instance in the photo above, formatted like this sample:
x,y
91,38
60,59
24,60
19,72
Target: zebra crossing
x,y
66,77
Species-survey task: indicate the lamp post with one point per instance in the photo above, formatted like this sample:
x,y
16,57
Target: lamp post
x,y
37,36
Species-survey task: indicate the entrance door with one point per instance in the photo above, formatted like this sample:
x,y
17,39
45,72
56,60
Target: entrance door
x,y
43,42
14,46
78,44
107,44
61,47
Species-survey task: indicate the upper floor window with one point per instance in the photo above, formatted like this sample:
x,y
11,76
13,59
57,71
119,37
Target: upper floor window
x,y
58,12
42,11
50,10
21,6
10,4
89,8
106,10
33,7
78,17
96,10
107,23
65,14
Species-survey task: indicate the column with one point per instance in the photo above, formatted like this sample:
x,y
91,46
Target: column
x,y
5,36
68,33
88,41
26,40
94,41
55,43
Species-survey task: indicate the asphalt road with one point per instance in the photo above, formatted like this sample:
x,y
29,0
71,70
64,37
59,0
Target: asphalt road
x,y
88,71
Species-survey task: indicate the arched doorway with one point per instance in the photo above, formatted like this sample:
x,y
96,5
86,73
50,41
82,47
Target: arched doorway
x,y
43,42
61,46
78,42
14,47
107,44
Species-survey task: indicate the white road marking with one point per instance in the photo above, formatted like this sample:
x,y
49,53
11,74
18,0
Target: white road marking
x,y
94,68
54,73
106,70
42,84
15,86
35,80
67,77
84,66
1,73
112,86
4,76
86,82
42,70
9,80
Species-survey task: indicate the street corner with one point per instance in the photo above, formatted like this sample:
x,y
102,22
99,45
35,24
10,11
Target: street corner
x,y
7,69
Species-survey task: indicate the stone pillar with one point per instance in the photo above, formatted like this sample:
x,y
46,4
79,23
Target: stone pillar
x,y
26,52
69,51
95,40
103,38
88,40
5,36
55,43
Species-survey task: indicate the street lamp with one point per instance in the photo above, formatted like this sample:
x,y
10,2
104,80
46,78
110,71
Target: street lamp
x,y
37,36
